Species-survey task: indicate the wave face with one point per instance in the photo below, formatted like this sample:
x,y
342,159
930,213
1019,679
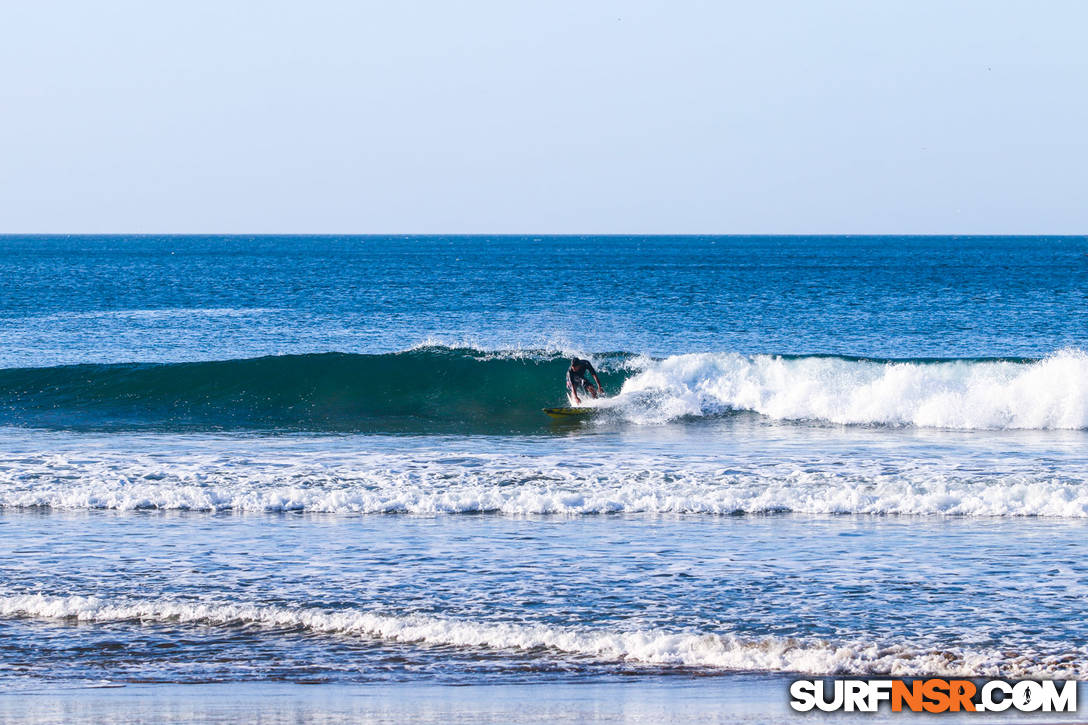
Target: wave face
x,y
651,647
429,390
459,390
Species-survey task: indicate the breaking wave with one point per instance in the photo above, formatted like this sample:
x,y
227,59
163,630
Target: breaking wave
x,y
707,651
966,394
463,390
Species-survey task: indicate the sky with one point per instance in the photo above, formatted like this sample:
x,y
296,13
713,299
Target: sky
x,y
333,116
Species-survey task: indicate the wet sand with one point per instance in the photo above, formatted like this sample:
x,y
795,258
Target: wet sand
x,y
742,698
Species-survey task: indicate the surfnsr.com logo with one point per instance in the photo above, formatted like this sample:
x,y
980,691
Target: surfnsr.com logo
x,y
933,695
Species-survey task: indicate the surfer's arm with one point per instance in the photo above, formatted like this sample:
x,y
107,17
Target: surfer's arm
x,y
596,379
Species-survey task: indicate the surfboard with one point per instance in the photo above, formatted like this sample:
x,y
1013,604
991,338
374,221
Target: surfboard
x,y
567,413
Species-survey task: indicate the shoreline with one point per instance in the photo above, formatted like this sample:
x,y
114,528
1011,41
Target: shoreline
x,y
756,698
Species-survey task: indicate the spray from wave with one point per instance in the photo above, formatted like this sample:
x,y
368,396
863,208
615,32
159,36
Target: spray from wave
x,y
460,390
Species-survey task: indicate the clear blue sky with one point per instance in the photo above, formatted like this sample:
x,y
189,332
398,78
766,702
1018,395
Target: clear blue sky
x,y
547,117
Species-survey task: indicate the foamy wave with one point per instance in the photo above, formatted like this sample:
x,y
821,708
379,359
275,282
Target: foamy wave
x,y
452,483
694,650
1048,394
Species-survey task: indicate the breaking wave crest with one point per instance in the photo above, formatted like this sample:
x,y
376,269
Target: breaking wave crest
x,y
964,394
725,652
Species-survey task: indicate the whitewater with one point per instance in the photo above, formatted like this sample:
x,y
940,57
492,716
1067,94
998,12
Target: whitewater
x,y
1051,393
307,474
724,652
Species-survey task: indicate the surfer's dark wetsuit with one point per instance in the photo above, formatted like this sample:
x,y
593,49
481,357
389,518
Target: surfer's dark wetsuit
x,y
576,379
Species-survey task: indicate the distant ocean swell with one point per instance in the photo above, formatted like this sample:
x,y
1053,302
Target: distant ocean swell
x,y
704,651
458,390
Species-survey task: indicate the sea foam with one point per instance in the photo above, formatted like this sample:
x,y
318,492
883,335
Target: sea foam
x,y
962,394
461,482
651,647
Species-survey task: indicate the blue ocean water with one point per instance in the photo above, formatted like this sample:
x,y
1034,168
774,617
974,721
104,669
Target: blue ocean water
x,y
323,459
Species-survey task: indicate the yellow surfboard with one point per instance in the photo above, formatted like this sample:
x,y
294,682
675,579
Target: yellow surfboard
x,y
567,413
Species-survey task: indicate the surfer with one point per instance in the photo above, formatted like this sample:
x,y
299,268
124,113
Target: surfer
x,y
577,375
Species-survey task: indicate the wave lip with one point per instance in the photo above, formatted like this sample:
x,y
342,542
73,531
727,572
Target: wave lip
x,y
961,394
724,652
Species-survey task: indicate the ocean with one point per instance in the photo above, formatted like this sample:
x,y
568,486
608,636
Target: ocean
x,y
323,460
